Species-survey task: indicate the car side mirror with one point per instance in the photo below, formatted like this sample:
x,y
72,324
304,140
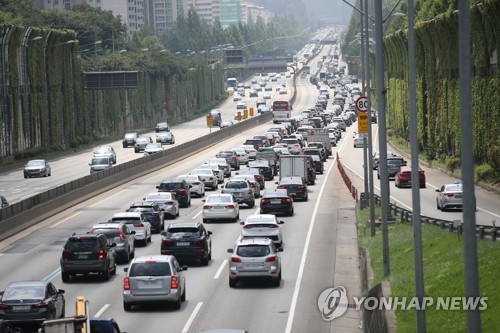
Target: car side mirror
x,y
61,291
203,200
281,222
158,187
279,249
132,232
125,269
438,190
184,268
163,233
112,245
222,186
230,250
242,223
276,183
209,233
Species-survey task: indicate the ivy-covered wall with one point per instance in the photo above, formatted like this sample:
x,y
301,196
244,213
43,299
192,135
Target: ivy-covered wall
x,y
44,106
436,52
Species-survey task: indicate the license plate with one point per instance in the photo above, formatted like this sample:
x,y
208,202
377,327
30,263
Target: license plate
x,y
21,308
275,202
182,243
458,196
252,265
148,284
218,207
83,256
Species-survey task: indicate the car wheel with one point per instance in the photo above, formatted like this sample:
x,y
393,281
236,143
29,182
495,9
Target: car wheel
x,y
252,204
291,213
183,297
437,205
378,176
105,275
127,306
65,277
178,212
149,238
424,185
396,184
277,280
177,304
232,283
113,271
210,255
204,261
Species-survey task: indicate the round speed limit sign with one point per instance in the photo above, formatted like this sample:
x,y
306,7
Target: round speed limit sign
x,y
362,104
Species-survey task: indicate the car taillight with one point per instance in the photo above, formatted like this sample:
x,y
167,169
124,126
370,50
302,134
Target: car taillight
x,y
258,177
273,226
449,195
210,178
318,162
235,259
229,206
122,236
196,183
271,258
222,191
264,201
234,158
199,240
65,255
248,226
126,283
250,191
310,169
254,183
286,200
300,186
101,254
4,306
138,225
168,202
207,207
182,192
41,305
174,282
167,241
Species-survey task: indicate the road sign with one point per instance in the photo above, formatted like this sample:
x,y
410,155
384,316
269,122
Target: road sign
x,y
210,120
362,123
362,104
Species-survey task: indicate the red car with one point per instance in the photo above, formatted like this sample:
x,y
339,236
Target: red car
x,y
403,177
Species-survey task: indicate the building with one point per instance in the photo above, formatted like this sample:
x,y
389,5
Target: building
x,y
207,10
230,12
161,15
252,12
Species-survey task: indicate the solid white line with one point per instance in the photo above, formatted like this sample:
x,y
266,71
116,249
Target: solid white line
x,y
296,290
196,216
191,318
100,312
219,271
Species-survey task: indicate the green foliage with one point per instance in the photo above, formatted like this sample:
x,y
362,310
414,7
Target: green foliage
x,y
452,163
485,173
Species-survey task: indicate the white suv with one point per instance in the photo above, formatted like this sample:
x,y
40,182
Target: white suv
x,y
135,221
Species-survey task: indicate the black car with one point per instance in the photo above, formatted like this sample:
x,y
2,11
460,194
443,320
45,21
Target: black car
x,y
129,139
31,301
181,189
311,170
88,253
121,235
319,166
187,241
231,158
160,127
152,212
393,165
141,143
295,186
256,143
315,151
264,167
276,202
3,202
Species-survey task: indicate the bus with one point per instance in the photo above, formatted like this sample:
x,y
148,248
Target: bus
x,y
282,111
232,83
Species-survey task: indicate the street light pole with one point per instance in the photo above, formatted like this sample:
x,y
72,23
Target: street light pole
x,y
363,76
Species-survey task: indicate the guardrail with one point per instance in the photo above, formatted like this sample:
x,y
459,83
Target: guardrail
x,y
23,214
402,215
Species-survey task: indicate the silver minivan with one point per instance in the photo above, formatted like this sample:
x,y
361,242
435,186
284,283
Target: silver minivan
x,y
154,279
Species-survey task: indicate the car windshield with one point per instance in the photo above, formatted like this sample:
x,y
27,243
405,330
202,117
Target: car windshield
x,y
142,140
110,233
216,199
150,268
183,232
261,225
161,124
159,197
236,185
35,163
253,250
395,162
145,210
23,293
130,136
453,188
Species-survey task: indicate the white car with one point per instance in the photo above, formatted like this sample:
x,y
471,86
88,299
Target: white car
x,y
220,207
251,151
135,221
267,95
241,105
262,225
208,176
218,172
221,161
283,91
197,185
167,202
236,97
152,148
242,155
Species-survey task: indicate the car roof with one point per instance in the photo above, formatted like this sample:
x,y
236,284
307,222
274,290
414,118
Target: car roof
x,y
254,240
220,195
106,225
184,225
28,283
126,214
159,258
261,218
143,204
275,193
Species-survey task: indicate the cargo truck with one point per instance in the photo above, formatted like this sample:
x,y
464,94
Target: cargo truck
x,y
319,135
293,166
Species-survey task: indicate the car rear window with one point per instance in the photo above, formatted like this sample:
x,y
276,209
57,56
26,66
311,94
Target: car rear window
x,y
183,232
150,268
170,186
237,185
81,244
145,210
110,233
24,293
218,199
395,162
253,250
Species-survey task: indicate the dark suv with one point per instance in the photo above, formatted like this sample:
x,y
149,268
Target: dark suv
x,y
129,139
119,234
152,212
84,254
187,240
231,158
181,189
393,165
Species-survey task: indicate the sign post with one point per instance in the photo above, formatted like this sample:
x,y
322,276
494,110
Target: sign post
x,y
210,122
362,107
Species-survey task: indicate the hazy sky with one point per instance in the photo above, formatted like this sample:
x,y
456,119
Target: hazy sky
x,y
329,8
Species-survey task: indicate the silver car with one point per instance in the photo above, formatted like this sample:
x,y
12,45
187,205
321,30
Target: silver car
x,y
167,202
263,225
135,221
251,178
154,279
208,177
165,137
254,258
241,190
449,196
220,207
222,162
197,185
152,148
106,151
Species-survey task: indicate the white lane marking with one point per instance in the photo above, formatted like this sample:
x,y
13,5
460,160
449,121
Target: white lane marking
x,y
191,318
296,290
219,271
196,216
100,312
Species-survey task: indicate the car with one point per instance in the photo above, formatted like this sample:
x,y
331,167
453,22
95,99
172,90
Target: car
x,y
216,169
450,196
220,207
187,241
268,87
265,168
197,186
37,168
106,151
241,155
99,164
152,280
135,221
276,201
162,127
3,202
165,137
376,158
180,188
253,93
242,191
262,225
250,150
358,140
104,325
31,301
374,117
231,158
326,150
283,91
152,212
263,108
311,170
129,139
167,202
319,165
403,177
141,143
253,179
236,97
224,164
293,145
315,151
258,177
295,186
259,102
241,105
121,235
153,148
88,253
227,123
254,258
208,176
393,165
255,143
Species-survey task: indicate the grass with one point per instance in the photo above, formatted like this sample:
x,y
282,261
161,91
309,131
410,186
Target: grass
x,y
443,273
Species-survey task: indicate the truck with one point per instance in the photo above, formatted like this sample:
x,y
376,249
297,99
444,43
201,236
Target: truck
x,y
293,166
319,135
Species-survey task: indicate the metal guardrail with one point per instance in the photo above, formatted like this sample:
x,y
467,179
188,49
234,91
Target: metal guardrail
x,y
25,213
399,214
